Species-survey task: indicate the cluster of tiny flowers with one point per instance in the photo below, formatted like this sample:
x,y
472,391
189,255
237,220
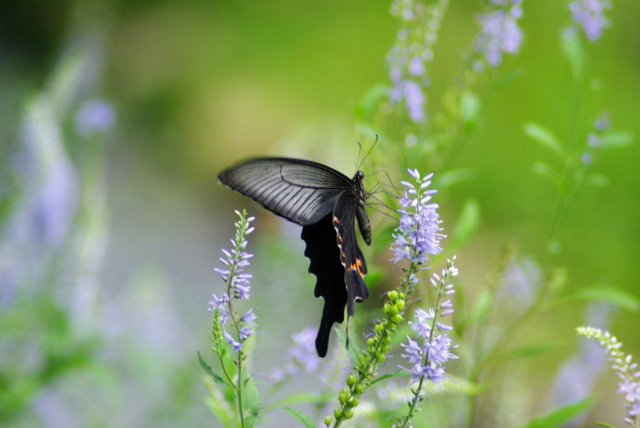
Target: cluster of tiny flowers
x,y
500,32
412,51
589,15
432,347
594,138
418,235
624,368
238,287
301,356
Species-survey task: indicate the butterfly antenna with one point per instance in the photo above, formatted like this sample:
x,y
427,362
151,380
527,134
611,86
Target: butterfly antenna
x,y
379,203
367,155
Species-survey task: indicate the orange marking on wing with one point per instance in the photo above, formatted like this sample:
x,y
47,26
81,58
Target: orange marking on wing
x,y
357,266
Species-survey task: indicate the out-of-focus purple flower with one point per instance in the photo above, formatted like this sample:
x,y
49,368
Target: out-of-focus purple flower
x,y
589,15
238,287
407,61
96,115
418,235
50,200
303,352
594,139
603,122
301,355
520,283
431,349
500,32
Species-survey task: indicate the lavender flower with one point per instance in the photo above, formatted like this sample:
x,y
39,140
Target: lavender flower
x,y
432,347
594,138
629,386
521,282
500,32
413,49
418,235
95,115
301,355
589,15
238,287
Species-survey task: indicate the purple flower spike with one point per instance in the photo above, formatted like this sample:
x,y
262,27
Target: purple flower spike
x,y
238,286
418,235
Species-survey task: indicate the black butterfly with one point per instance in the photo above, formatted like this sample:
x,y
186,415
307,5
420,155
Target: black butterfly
x,y
326,203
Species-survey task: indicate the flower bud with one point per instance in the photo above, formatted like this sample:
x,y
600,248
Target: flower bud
x,y
351,380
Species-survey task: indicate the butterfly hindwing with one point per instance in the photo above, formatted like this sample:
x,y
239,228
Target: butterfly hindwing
x,y
299,190
324,256
351,258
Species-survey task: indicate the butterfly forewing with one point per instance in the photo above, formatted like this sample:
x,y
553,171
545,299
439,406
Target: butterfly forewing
x,y
301,191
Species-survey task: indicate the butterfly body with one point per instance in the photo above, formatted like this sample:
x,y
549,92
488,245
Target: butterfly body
x,y
326,203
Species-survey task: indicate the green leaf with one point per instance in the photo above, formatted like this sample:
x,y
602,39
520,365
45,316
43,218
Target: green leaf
x,y
546,171
371,101
605,425
544,137
353,349
301,398
604,293
207,368
466,225
390,375
300,416
458,385
217,404
598,180
482,305
451,177
251,401
574,52
470,110
560,416
616,139
529,351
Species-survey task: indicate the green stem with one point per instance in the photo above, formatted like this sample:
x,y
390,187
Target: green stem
x,y
412,405
239,390
416,394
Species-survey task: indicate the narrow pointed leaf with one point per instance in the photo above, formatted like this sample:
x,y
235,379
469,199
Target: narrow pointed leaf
x,y
300,416
616,139
207,368
354,350
544,137
466,225
560,416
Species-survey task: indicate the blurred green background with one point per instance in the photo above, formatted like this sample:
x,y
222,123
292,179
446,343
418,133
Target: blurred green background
x,y
199,85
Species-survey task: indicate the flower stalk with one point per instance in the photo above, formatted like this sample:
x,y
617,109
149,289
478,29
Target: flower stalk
x,y
629,385
238,288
